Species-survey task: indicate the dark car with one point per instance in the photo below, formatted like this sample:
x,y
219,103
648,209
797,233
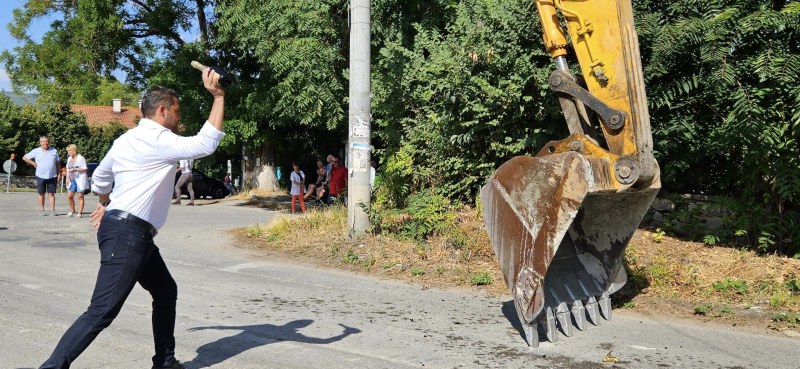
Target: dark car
x,y
203,186
90,167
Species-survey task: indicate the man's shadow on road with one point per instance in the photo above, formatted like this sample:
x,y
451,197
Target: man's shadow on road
x,y
252,336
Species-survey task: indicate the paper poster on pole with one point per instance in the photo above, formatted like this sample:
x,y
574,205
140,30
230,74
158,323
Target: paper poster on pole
x,y
360,162
361,128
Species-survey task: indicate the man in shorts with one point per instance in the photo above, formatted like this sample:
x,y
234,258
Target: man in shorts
x,y
48,171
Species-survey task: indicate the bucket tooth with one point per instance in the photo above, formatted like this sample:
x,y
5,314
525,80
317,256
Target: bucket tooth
x,y
563,318
578,314
591,311
605,306
549,322
531,334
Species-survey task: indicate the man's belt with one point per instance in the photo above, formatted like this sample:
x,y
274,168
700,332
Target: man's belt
x,y
128,217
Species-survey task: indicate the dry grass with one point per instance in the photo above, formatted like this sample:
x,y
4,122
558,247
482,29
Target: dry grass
x,y
666,275
716,282
437,262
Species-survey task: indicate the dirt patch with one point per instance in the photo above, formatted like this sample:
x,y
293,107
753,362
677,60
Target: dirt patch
x,y
667,276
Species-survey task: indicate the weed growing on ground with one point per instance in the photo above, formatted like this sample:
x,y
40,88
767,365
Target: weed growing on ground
x,y
785,317
730,285
481,279
255,231
703,309
658,235
350,257
629,305
417,272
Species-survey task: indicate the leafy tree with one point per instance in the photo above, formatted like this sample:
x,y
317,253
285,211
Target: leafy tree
x,y
464,98
9,114
111,88
21,128
290,57
91,38
724,79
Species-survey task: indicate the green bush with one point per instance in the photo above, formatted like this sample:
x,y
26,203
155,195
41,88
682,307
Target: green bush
x,y
426,214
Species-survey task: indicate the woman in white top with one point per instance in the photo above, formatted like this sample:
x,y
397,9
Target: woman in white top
x,y
78,182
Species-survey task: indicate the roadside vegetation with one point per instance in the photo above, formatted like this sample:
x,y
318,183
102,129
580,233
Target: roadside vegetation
x,y
433,243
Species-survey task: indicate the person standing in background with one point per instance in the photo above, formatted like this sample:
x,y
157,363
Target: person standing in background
x,y
298,178
48,171
338,183
185,167
78,182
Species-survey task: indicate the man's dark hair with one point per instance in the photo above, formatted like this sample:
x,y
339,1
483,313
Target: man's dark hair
x,y
154,97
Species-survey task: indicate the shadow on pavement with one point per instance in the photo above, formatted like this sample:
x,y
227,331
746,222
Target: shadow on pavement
x,y
251,336
510,312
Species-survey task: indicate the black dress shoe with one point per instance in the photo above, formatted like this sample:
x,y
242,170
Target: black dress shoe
x,y
175,365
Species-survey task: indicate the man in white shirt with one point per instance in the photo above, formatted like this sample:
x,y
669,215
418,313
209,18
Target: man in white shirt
x,y
48,171
185,166
140,165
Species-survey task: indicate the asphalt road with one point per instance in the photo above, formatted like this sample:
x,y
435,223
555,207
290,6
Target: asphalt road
x,y
241,309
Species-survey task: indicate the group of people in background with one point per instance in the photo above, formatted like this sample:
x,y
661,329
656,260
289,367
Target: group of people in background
x,y
330,183
329,179
48,174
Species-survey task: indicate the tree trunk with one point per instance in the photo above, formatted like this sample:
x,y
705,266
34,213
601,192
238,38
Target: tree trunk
x,y
202,24
260,170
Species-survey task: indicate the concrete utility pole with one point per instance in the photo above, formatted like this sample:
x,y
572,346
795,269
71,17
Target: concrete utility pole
x,y
358,188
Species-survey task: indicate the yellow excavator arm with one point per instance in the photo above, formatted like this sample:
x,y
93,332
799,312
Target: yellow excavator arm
x,y
559,222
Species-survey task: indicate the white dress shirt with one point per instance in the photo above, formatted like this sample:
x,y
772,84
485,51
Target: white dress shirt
x,y
141,166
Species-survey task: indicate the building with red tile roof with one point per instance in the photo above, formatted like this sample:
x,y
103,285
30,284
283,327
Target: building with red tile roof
x,y
96,116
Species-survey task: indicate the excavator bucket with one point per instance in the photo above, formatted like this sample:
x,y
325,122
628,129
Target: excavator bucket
x,y
560,238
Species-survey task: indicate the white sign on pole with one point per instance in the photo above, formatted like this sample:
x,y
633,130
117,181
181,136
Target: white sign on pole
x,y
10,167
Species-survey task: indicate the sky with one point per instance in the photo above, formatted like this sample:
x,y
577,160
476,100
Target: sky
x,y
36,30
7,42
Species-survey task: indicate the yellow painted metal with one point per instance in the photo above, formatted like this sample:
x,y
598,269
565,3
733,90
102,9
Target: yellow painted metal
x,y
554,39
607,49
602,161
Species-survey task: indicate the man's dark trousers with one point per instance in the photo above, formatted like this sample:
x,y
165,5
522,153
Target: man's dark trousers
x,y
127,256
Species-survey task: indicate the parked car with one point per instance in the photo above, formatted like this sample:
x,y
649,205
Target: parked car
x,y
90,167
204,186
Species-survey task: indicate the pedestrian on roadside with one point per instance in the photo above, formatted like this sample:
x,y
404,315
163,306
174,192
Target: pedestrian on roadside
x,y
48,172
338,183
298,179
140,165
185,167
78,180
227,182
328,167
